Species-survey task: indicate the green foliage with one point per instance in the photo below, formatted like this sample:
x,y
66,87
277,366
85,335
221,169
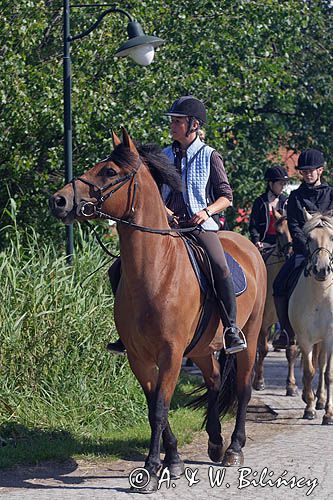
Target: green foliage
x,y
55,370
264,69
62,394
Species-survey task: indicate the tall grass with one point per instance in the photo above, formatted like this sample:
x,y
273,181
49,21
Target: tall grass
x,y
54,369
61,393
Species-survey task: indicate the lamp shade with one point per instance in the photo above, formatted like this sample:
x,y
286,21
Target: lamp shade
x,y
139,47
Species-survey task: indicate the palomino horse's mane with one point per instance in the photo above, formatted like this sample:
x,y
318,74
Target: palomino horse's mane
x,y
160,167
318,220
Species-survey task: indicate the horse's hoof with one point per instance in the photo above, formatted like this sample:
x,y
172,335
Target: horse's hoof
x,y
327,420
176,469
309,414
233,459
145,483
292,391
259,386
215,452
320,406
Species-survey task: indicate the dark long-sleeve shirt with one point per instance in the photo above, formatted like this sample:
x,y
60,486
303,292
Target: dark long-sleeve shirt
x,y
313,199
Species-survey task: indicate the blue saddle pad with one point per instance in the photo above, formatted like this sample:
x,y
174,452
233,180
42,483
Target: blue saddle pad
x,y
237,273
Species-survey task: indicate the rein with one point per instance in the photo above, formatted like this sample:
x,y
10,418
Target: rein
x,y
88,209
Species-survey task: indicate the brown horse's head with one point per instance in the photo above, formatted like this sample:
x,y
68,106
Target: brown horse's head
x,y
283,236
111,178
118,184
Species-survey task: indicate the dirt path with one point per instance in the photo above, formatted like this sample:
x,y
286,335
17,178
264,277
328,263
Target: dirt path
x,y
280,444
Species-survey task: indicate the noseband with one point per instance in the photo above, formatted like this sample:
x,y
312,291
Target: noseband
x,y
309,266
88,208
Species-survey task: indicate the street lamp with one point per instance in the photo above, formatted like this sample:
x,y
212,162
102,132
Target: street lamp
x,y
139,47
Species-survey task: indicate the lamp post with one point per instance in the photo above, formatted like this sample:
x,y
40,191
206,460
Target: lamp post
x,y
139,47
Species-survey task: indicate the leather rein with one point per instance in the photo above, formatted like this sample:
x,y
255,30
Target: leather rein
x,y
89,209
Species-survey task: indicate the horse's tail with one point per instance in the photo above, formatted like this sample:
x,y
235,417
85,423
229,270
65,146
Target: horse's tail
x,y
227,400
227,397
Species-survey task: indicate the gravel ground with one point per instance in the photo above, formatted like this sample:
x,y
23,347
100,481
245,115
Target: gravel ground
x,y
281,446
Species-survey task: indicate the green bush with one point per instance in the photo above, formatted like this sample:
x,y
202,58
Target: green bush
x,y
54,369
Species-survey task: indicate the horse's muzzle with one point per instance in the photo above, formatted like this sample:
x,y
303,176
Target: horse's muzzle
x,y
59,206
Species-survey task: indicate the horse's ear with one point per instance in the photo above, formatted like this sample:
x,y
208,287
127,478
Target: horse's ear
x,y
127,141
115,139
306,214
276,214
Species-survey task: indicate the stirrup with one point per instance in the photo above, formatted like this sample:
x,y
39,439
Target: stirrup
x,y
113,348
235,349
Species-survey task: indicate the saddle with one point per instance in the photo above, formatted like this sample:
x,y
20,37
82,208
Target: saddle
x,y
201,266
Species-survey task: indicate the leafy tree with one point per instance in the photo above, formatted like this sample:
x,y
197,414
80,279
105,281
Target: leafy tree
x,y
263,68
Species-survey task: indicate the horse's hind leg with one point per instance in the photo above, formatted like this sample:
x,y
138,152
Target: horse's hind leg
x,y
259,382
210,369
291,355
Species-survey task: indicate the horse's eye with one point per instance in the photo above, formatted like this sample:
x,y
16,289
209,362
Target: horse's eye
x,y
109,172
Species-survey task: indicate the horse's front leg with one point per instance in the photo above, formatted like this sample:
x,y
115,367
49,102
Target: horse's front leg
x,y
210,369
234,454
307,394
328,417
158,400
322,365
291,355
259,381
158,418
172,459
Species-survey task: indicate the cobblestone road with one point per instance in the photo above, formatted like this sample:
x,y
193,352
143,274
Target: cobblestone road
x,y
281,445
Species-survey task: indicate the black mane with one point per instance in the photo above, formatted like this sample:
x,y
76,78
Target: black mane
x,y
160,167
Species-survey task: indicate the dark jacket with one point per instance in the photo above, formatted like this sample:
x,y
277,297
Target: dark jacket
x,y
313,199
259,218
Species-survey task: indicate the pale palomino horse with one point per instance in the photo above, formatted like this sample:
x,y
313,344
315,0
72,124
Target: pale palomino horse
x,y
274,262
311,314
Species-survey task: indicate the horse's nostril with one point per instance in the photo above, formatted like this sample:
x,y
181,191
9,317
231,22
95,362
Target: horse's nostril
x,y
60,201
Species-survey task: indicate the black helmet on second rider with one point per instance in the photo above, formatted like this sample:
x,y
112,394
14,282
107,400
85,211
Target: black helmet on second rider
x,y
310,159
276,173
191,107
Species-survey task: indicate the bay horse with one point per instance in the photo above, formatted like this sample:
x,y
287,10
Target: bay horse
x,y
159,300
274,261
311,314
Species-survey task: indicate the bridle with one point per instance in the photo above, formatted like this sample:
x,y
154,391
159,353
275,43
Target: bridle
x,y
281,251
88,208
309,263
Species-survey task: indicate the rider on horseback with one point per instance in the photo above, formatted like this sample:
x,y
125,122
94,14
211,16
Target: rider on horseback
x,y
315,196
262,229
207,194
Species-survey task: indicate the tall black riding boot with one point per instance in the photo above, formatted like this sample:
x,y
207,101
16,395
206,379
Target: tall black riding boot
x,y
233,337
114,277
287,335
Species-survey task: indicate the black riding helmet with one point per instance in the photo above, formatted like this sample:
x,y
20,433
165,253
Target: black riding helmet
x,y
276,173
310,159
190,107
